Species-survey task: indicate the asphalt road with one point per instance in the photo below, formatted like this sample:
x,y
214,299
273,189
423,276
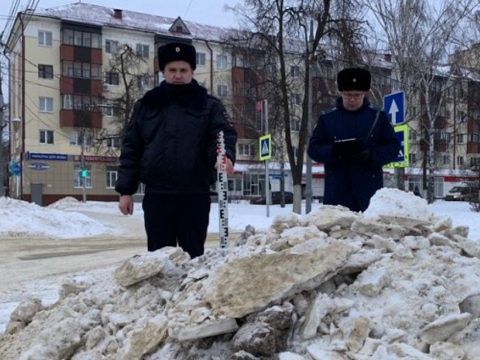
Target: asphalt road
x,y
29,258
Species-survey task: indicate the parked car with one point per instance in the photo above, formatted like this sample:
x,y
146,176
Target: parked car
x,y
462,193
276,198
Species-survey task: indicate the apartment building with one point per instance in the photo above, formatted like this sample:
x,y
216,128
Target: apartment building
x,y
64,87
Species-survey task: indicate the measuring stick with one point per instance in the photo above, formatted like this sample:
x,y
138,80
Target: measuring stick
x,y
222,190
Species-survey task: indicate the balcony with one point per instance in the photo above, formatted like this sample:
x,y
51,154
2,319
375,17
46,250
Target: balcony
x,y
71,85
80,54
80,119
473,147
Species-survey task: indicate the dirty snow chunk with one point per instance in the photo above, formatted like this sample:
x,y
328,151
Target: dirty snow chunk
x,y
257,338
442,328
57,342
213,328
370,283
471,305
144,266
290,356
320,308
146,339
319,353
26,310
329,216
398,204
447,351
399,351
267,278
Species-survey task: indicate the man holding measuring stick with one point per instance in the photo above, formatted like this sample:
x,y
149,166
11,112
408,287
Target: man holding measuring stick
x,y
170,145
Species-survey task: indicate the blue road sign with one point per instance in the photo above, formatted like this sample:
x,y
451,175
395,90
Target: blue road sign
x,y
265,144
394,106
16,169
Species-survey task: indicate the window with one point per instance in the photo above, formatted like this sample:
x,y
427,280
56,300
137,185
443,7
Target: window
x,y
474,161
237,61
44,38
112,175
111,46
412,111
111,110
442,135
234,184
473,137
82,70
460,138
246,149
412,158
143,50
85,102
201,59
80,38
295,125
143,82
222,90
459,160
446,160
67,101
45,104
113,142
295,99
112,78
412,135
46,136
294,71
78,180
45,71
221,61
76,138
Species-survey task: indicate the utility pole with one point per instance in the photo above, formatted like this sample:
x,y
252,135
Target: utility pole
x,y
308,175
83,170
2,153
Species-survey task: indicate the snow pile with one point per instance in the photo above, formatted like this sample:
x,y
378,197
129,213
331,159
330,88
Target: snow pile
x,y
49,222
65,203
329,285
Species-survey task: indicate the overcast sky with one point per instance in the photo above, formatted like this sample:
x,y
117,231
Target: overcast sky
x,y
209,12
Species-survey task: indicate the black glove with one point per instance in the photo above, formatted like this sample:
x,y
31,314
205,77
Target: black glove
x,y
343,149
363,157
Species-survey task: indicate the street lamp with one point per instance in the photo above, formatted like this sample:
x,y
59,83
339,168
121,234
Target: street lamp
x,y
16,123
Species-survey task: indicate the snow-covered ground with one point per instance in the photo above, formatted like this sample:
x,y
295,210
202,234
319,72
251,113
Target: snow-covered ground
x,y
69,219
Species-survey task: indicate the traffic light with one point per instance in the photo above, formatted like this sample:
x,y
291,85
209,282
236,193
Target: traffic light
x,y
84,173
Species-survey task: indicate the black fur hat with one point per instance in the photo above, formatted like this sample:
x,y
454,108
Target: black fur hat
x,y
354,79
177,51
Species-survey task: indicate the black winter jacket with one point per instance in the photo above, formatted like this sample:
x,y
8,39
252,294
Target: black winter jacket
x,y
170,143
352,183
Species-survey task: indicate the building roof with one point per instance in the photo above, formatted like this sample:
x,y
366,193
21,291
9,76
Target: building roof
x,y
104,16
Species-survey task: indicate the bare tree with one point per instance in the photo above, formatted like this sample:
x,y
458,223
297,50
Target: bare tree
x,y
130,70
418,34
281,29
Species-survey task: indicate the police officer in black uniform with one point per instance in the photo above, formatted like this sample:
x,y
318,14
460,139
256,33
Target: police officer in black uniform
x,y
353,141
170,145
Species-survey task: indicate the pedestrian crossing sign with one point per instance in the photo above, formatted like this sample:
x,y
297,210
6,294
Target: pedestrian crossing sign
x,y
265,146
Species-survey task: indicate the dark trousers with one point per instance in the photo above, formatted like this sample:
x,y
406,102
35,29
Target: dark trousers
x,y
177,219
